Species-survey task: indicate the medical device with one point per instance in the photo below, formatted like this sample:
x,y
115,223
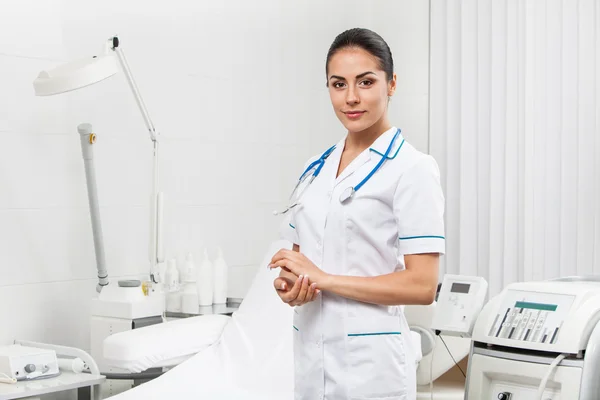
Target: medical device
x,y
117,309
444,328
82,73
460,300
123,306
538,340
317,165
18,363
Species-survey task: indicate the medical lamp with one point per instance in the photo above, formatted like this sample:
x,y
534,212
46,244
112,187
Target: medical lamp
x,y
85,72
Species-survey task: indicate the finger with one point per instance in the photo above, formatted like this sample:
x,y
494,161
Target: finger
x,y
278,256
293,293
274,259
289,276
292,255
301,299
278,264
287,265
311,295
280,284
285,254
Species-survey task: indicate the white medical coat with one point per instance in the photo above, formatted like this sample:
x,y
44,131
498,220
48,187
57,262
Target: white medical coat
x,y
345,349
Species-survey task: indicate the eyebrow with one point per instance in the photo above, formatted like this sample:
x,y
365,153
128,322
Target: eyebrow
x,y
357,76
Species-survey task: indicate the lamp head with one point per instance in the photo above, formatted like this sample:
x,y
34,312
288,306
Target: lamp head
x,y
75,75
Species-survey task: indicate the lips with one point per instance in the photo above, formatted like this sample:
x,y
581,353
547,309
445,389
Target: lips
x,y
354,114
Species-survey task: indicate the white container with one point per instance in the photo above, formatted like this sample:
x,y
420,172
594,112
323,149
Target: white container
x,y
189,293
205,282
220,279
172,276
189,298
189,269
172,287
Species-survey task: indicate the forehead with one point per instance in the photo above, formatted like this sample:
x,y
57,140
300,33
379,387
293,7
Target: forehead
x,y
350,62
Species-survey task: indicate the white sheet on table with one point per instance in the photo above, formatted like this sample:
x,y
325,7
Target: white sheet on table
x,y
252,360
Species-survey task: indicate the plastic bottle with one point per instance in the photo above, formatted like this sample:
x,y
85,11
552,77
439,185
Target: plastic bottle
x,y
189,269
205,282
220,279
172,276
189,294
172,287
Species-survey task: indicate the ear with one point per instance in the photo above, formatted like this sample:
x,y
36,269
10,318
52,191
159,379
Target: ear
x,y
392,86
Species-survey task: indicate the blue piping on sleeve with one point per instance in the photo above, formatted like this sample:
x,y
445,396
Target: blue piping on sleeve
x,y
422,237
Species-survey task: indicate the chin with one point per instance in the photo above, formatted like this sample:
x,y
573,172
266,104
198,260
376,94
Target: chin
x,y
357,126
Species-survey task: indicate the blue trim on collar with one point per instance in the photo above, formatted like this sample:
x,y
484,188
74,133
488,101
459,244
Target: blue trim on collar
x,y
395,154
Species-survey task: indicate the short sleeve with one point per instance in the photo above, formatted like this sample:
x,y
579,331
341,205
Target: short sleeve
x,y
419,209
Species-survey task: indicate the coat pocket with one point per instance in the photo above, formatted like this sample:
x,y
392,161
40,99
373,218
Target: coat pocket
x,y
376,358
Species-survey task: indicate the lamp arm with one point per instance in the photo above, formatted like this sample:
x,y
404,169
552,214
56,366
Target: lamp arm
x,y
114,42
156,253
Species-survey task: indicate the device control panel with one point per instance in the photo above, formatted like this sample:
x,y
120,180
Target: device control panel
x,y
531,316
520,392
459,302
26,363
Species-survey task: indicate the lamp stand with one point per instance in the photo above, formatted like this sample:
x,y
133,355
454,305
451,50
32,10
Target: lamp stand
x,y
87,141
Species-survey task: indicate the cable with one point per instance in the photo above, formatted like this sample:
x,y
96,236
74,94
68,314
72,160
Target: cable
x,y
8,379
463,372
544,382
431,374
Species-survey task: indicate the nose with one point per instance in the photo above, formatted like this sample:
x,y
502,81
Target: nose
x,y
352,96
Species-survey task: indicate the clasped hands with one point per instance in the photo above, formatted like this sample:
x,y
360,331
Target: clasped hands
x,y
300,279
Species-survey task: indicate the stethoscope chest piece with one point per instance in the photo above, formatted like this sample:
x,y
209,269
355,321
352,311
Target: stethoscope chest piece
x,y
347,194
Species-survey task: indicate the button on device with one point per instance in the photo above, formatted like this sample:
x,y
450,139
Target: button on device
x,y
505,396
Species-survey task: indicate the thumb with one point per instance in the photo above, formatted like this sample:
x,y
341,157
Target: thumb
x,y
280,284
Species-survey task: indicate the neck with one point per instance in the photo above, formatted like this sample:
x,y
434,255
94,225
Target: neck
x,y
360,140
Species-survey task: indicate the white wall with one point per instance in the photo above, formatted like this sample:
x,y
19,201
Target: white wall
x,y
236,89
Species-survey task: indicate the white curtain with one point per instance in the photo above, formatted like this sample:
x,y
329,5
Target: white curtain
x,y
515,127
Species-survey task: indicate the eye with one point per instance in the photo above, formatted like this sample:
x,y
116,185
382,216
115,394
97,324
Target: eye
x,y
339,85
366,82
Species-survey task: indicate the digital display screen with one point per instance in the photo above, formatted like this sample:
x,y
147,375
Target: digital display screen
x,y
460,287
536,306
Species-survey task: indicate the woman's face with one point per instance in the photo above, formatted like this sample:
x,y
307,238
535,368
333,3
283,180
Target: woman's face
x,y
358,88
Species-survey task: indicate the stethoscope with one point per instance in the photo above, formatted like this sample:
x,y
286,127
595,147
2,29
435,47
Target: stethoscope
x,y
317,165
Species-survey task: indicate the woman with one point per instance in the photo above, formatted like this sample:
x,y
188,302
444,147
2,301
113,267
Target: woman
x,y
367,234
